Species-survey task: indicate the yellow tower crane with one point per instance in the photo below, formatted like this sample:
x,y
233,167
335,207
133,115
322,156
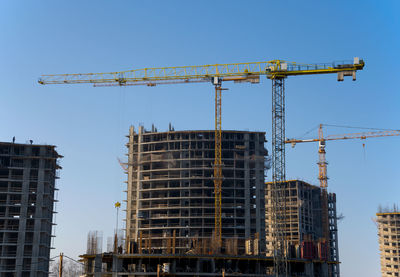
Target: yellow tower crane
x,y
322,165
276,70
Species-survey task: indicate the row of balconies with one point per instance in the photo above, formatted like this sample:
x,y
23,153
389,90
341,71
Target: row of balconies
x,y
200,215
166,178
18,190
200,168
21,165
199,135
210,205
205,155
208,184
174,193
191,226
30,178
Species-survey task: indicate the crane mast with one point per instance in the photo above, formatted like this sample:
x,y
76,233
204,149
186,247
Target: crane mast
x,y
276,70
218,164
323,179
278,176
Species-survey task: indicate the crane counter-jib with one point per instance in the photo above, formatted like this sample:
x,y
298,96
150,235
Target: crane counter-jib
x,y
272,69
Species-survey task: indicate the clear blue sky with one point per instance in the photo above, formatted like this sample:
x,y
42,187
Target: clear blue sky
x,y
89,124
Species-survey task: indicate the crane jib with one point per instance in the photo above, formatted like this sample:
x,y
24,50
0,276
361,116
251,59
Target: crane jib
x,y
272,69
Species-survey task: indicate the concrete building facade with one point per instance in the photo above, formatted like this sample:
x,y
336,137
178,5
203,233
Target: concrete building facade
x,y
389,241
303,225
27,185
170,190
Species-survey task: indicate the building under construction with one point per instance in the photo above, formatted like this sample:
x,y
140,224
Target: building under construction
x,y
170,214
388,220
171,191
303,225
27,188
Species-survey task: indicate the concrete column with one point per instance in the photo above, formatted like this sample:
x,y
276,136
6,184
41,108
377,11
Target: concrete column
x,y
173,266
97,265
116,266
259,182
139,178
38,219
22,219
129,223
324,270
309,269
212,263
247,187
139,266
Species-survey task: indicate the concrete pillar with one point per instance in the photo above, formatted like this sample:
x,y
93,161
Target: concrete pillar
x,y
38,219
116,266
198,265
309,269
173,266
260,192
247,187
139,266
139,178
212,263
129,223
22,219
324,270
98,265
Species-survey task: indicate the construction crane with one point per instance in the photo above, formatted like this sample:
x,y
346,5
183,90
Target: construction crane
x,y
276,70
322,165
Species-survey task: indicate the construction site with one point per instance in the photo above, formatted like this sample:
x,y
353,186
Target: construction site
x,y
197,202
170,219
199,139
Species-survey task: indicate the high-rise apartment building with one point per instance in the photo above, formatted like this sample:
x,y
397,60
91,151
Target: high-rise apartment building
x,y
171,190
389,240
27,185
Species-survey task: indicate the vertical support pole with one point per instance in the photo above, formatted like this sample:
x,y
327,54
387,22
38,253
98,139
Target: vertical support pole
x,y
218,164
117,205
173,241
149,245
130,228
60,269
278,176
140,243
